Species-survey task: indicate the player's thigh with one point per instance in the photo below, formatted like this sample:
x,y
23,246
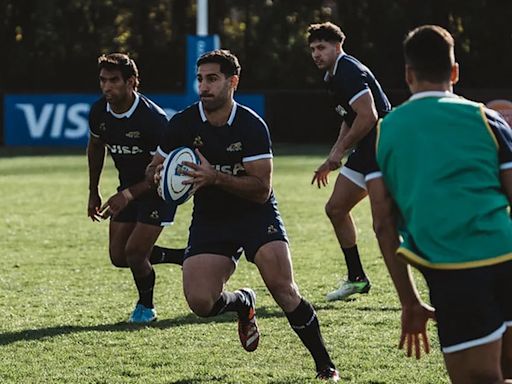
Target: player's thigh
x,y
345,195
506,353
142,239
204,276
119,233
475,365
274,262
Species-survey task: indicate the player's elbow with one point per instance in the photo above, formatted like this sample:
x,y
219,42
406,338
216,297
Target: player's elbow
x,y
261,197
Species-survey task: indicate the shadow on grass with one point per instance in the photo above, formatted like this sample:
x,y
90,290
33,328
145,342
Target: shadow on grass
x,y
43,333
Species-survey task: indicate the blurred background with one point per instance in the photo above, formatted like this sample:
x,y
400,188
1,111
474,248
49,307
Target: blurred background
x,y
49,50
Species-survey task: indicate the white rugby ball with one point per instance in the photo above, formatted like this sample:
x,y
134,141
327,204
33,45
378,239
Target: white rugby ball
x,y
171,182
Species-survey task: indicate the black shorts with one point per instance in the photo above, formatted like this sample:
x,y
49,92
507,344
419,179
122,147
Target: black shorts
x,y
154,211
473,306
230,236
360,161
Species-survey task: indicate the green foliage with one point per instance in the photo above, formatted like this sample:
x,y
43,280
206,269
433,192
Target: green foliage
x,y
64,306
53,44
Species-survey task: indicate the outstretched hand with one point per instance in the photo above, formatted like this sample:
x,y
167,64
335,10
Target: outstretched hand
x,y
414,328
322,172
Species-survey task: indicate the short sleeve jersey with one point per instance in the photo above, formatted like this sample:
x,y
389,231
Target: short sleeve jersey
x,y
440,157
131,137
351,79
243,139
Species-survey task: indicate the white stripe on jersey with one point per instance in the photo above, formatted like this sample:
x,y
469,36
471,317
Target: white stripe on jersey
x,y
257,157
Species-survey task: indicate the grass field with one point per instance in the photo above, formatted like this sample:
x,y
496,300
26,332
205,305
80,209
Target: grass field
x,y
63,306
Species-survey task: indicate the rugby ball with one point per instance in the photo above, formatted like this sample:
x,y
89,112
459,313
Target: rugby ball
x,y
172,176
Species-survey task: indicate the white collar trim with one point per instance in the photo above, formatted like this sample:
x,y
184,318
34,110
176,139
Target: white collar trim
x,y
326,76
421,95
231,115
129,112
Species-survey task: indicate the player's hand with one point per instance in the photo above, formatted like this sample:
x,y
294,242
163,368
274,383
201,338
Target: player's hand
x,y
115,204
201,174
414,328
93,207
157,176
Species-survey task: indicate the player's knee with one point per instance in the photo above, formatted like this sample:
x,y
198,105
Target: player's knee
x,y
285,293
333,210
200,305
135,255
118,259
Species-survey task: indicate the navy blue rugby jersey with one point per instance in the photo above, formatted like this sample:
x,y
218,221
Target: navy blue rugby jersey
x,y
244,138
131,137
350,80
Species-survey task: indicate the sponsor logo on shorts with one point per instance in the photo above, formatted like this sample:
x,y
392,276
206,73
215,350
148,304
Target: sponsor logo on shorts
x,y
234,147
154,215
271,229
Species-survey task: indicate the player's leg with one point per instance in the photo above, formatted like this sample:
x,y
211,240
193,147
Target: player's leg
x,y
506,353
137,251
346,194
274,263
204,277
159,254
471,320
477,365
119,232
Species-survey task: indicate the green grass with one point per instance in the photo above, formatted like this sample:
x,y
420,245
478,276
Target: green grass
x,y
63,305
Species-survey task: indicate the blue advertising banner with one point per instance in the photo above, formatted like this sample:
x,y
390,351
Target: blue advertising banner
x,y
62,119
196,46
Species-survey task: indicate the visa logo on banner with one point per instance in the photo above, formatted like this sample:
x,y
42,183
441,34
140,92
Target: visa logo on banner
x,y
63,119
47,120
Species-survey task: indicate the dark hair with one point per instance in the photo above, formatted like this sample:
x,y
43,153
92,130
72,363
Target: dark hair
x,y
429,51
326,31
228,62
122,63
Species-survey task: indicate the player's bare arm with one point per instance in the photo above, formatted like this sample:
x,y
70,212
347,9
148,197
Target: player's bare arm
x,y
255,186
96,158
415,313
506,182
366,118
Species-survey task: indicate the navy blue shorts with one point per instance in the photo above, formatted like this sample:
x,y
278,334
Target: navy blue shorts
x,y
230,236
153,211
361,158
473,306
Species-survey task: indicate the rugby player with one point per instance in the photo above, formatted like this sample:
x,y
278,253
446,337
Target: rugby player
x,y
129,125
443,180
235,210
359,100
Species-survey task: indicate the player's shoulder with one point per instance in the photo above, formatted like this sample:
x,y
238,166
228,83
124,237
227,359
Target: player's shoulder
x,y
190,114
248,117
151,108
349,64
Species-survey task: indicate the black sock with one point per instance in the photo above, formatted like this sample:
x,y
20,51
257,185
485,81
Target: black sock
x,y
304,322
354,266
145,287
161,255
229,302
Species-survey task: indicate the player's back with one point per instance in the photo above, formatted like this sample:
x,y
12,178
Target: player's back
x,y
439,160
